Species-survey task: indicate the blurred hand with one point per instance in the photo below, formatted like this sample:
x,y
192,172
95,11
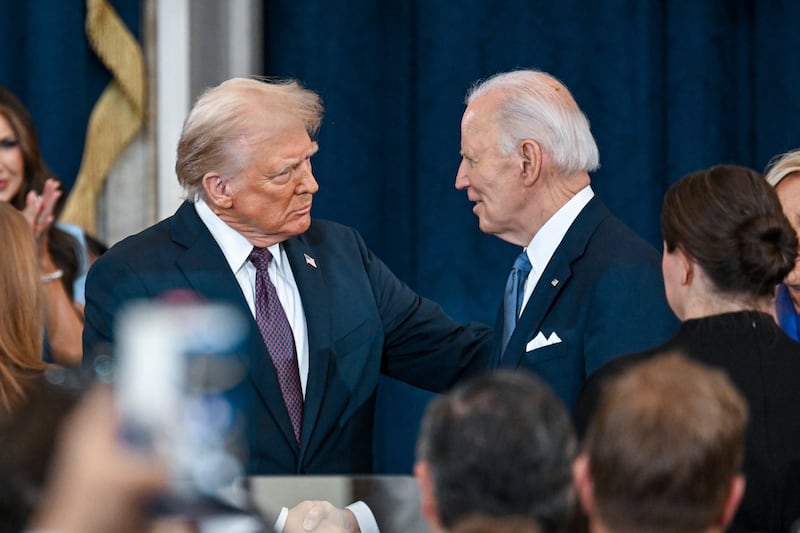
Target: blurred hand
x,y
97,483
39,208
322,517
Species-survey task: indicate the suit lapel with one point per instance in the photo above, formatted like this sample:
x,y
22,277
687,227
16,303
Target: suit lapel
x,y
553,280
308,271
207,271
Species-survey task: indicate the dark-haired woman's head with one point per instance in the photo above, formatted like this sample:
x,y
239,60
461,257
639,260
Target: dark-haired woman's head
x,y
21,161
728,221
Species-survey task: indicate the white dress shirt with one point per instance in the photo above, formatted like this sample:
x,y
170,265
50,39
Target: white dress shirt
x,y
236,249
543,245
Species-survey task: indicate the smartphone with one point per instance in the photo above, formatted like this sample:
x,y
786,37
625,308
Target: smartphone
x,y
174,365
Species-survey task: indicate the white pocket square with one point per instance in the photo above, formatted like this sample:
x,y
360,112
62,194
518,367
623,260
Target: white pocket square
x,y
540,341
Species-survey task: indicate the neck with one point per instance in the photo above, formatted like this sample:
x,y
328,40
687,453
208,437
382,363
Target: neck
x,y
596,526
718,304
554,192
250,233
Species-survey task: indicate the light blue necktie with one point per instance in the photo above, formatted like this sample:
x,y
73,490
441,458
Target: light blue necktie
x,y
514,294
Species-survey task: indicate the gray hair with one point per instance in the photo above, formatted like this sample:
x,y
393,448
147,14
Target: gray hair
x,y
783,165
225,118
537,106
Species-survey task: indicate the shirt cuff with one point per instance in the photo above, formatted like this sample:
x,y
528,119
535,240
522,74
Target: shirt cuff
x,y
280,522
364,517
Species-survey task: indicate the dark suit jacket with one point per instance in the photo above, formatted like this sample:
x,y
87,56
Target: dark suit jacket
x,y
764,363
361,321
603,295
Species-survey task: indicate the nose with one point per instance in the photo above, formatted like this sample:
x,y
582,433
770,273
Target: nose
x,y
307,182
462,182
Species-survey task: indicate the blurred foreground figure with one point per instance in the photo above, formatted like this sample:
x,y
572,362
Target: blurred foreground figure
x,y
97,484
664,450
497,451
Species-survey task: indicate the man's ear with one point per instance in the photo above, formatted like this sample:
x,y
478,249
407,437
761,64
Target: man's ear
x,y
218,190
531,154
584,486
732,501
427,494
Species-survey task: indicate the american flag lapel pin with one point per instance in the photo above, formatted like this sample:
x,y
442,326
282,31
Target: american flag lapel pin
x,y
554,282
310,261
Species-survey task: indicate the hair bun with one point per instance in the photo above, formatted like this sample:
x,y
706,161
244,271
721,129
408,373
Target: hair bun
x,y
767,248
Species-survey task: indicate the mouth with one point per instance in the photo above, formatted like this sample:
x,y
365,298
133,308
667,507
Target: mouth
x,y
303,211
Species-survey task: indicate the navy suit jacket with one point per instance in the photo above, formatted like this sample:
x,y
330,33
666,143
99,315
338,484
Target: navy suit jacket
x,y
602,293
361,321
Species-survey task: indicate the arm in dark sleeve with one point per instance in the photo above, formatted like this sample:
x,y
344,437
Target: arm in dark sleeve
x,y
423,346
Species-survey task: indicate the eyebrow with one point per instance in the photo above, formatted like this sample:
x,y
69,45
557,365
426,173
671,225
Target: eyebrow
x,y
296,161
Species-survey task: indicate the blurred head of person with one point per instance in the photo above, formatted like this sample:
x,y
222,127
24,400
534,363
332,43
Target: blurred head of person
x,y
668,461
22,167
784,175
499,446
727,242
246,150
488,524
20,307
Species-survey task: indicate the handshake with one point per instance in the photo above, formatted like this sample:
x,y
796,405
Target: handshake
x,y
320,516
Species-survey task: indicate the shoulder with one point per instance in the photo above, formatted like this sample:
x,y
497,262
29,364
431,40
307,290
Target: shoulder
x,y
322,229
152,243
622,243
332,238
606,240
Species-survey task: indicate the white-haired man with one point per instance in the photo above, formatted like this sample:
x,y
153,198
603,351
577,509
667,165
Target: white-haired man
x,y
585,288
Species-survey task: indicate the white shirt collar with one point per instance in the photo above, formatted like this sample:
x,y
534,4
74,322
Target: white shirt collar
x,y
235,247
543,245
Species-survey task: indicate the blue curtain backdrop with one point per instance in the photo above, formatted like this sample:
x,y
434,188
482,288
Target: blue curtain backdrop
x,y
48,64
669,87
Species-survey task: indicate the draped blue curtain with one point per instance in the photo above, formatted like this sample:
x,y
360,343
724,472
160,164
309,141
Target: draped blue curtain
x,y
669,86
48,64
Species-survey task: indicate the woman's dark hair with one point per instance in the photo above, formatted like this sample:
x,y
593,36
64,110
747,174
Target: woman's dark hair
x,y
36,171
61,245
729,220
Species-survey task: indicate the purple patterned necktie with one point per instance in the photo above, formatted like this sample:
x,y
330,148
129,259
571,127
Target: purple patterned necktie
x,y
278,337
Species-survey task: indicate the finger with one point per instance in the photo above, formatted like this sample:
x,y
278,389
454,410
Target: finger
x,y
313,518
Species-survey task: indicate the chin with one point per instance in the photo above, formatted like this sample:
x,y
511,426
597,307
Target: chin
x,y
303,225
